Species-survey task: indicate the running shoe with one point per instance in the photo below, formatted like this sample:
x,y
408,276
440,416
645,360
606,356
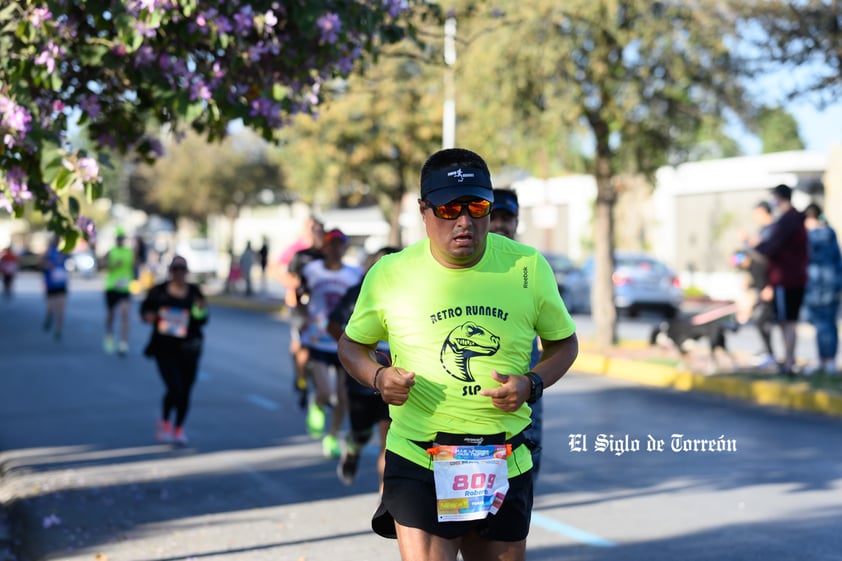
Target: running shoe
x,y
123,348
315,421
330,446
180,437
346,469
164,432
108,344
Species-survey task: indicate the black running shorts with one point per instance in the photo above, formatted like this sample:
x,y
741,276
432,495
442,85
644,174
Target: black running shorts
x,y
114,297
409,496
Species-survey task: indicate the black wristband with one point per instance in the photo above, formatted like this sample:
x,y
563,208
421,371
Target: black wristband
x,y
374,380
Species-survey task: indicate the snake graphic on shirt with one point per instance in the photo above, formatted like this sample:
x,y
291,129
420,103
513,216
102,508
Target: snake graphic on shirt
x,y
464,342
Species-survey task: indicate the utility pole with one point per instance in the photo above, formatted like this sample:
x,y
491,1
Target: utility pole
x,y
448,129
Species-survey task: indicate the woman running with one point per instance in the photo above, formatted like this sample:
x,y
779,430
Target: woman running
x,y
177,311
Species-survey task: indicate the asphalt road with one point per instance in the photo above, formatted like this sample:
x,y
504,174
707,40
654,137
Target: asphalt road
x,y
85,479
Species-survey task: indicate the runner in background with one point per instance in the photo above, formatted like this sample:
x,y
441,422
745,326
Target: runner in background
x,y
365,408
8,268
505,215
120,270
296,257
328,279
55,287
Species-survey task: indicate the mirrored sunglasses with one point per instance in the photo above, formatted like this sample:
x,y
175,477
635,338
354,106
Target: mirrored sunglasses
x,y
453,209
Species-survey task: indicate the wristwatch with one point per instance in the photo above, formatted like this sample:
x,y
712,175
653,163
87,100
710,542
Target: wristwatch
x,y
537,389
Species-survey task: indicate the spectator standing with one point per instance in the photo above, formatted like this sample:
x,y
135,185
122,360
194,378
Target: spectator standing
x,y
263,258
177,312
786,252
824,282
246,264
460,310
760,311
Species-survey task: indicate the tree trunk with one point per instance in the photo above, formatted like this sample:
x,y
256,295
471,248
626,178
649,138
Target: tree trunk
x,y
602,291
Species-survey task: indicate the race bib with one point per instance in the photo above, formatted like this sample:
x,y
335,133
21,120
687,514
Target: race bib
x,y
173,321
122,284
58,275
471,481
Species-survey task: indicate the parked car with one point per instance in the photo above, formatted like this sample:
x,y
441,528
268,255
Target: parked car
x,y
29,260
202,257
572,283
642,282
82,261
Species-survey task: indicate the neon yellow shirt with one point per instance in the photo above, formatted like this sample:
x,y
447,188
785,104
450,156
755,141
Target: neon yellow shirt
x,y
452,327
120,269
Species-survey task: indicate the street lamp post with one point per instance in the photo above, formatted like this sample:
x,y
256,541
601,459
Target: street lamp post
x,y
448,133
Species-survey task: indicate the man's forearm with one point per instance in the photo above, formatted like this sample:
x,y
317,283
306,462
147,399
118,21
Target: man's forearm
x,y
557,358
357,360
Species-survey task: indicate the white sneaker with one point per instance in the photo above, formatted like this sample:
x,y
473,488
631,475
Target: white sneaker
x,y
180,437
123,347
764,361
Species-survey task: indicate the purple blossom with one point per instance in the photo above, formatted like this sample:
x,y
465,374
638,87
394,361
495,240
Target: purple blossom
x,y
199,90
39,15
144,29
144,56
14,121
270,19
244,19
224,25
330,26
48,56
16,179
394,7
88,169
91,106
87,226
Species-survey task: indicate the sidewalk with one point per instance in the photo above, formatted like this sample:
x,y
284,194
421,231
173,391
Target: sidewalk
x,y
637,362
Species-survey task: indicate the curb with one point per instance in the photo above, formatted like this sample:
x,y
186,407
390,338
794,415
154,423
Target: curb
x,y
797,396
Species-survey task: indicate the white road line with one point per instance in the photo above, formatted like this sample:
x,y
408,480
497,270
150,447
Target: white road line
x,y
261,401
571,532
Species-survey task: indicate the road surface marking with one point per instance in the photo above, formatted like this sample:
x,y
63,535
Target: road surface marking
x,y
571,532
261,401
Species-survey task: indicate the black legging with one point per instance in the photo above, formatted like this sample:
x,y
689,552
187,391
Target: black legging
x,y
178,371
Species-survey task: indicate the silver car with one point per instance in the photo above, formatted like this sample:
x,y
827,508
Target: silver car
x,y
572,283
642,282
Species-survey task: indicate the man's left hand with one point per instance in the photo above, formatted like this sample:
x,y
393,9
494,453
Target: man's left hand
x,y
512,393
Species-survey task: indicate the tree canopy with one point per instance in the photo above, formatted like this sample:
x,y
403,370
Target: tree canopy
x,y
123,65
641,77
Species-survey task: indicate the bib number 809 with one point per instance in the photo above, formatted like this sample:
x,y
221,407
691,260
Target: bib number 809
x,y
474,481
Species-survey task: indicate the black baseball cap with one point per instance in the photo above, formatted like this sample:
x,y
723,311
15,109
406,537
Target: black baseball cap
x,y
442,186
506,200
